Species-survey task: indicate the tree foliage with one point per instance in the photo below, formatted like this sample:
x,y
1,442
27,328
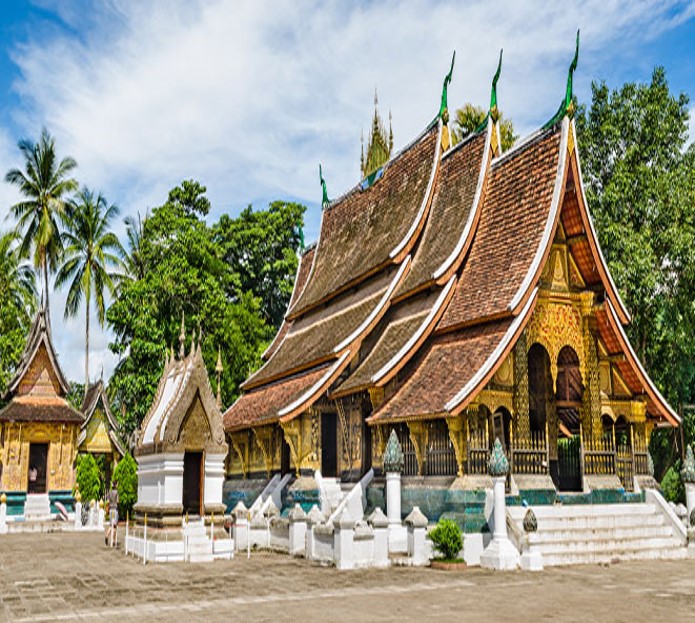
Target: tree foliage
x,y
190,268
126,474
469,118
640,183
88,478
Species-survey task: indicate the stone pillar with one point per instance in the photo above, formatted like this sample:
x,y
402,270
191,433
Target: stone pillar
x,y
521,401
3,514
380,523
313,518
688,476
78,514
297,534
500,553
417,530
100,515
343,541
241,526
393,466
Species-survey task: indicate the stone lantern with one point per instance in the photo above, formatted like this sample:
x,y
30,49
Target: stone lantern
x,y
393,466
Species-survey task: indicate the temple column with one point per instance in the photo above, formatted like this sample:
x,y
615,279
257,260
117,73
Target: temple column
x,y
418,435
521,397
590,413
457,435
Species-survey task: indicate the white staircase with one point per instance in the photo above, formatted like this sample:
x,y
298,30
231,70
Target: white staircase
x,y
37,507
601,533
198,544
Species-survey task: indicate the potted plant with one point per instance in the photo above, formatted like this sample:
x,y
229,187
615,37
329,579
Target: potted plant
x,y
448,542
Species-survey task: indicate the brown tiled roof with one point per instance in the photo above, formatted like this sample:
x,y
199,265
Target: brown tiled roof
x,y
24,409
300,280
360,230
398,329
313,337
441,370
451,206
513,217
261,406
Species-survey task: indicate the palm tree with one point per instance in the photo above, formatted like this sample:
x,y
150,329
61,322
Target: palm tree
x,y
134,261
44,184
91,250
17,279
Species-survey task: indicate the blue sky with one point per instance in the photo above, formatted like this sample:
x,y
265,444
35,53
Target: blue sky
x,y
248,97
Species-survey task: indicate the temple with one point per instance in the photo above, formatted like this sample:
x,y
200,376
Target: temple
x,y
38,430
458,296
99,431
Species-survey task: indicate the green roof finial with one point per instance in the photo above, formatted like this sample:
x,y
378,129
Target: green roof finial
x,y
567,105
444,108
573,66
493,93
325,202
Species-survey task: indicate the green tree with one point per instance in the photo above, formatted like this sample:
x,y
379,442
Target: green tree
x,y
17,305
469,118
640,184
133,259
126,474
259,247
184,271
88,478
45,183
91,253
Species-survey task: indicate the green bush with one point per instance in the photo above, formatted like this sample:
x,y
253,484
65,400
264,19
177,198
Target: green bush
x,y
88,478
126,473
447,540
672,486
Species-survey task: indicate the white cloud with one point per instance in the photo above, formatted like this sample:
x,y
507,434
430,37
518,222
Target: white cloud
x,y
249,97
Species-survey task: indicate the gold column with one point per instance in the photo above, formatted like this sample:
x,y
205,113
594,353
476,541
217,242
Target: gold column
x,y
590,412
521,397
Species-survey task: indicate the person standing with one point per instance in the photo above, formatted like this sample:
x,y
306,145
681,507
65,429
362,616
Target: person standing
x,y
33,475
111,535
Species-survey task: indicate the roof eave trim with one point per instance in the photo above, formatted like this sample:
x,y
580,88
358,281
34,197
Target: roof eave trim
x,y
297,406
652,390
623,314
558,193
488,367
378,310
461,244
384,373
425,200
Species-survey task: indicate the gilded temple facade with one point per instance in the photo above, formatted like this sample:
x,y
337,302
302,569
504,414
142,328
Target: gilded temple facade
x,y
38,428
456,296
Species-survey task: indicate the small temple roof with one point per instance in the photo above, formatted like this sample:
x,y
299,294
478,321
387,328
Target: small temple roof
x,y
38,389
183,382
96,393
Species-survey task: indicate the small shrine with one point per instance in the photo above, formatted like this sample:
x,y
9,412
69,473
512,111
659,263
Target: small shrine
x,y
98,434
181,448
38,430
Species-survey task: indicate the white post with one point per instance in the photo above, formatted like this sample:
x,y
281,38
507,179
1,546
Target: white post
x,y
500,553
248,535
3,514
393,498
297,534
127,521
690,498
380,524
393,467
78,515
343,540
144,542
240,528
417,530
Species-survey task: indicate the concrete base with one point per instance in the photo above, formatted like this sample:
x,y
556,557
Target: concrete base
x,y
500,555
593,482
398,539
531,561
472,482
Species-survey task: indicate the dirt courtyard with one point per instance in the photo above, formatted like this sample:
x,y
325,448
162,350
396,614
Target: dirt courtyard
x,y
66,577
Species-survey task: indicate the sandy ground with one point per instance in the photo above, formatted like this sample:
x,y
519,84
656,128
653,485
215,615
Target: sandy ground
x,y
53,577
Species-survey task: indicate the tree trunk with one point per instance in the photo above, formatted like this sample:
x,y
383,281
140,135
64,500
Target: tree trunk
x,y
45,285
86,342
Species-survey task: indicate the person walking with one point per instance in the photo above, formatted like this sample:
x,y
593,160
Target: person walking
x,y
111,535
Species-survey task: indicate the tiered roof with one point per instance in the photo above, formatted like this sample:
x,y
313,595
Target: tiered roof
x,y
38,390
432,273
94,398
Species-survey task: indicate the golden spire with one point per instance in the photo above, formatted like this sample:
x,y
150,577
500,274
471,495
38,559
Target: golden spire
x,y
219,369
182,337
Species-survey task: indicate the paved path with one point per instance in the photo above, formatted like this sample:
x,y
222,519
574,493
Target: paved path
x,y
67,577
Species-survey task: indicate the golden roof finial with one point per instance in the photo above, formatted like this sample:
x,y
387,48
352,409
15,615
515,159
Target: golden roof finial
x,y
182,336
219,370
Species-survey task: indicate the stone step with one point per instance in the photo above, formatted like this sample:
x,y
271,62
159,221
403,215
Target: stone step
x,y
589,558
639,532
606,546
572,511
577,524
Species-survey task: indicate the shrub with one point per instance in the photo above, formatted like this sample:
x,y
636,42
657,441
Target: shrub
x,y
672,486
447,540
88,478
126,473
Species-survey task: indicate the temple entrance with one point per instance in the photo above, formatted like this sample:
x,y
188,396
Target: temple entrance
x,y
329,445
284,457
38,462
366,447
568,401
192,482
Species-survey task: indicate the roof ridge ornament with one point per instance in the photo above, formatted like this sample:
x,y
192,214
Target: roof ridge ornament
x,y
182,336
325,201
494,111
567,107
444,107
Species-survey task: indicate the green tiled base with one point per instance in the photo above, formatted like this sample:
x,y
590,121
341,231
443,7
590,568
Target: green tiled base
x,y
306,498
15,502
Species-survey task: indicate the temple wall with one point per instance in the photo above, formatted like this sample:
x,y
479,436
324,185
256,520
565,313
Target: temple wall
x,y
16,439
